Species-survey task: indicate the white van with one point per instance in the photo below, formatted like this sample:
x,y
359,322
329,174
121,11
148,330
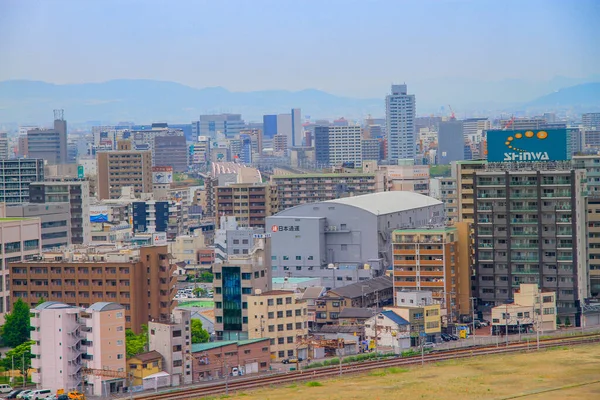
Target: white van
x,y
5,389
39,394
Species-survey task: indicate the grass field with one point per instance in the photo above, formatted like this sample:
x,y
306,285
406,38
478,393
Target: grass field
x,y
556,374
200,303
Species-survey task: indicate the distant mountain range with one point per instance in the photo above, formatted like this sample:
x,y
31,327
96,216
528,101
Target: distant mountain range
x,y
145,101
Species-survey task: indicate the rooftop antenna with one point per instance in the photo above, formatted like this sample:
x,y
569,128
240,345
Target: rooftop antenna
x,y
59,115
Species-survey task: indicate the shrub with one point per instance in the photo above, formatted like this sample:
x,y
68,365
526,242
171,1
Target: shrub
x,y
313,384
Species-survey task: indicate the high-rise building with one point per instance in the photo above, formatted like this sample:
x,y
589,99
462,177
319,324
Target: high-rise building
x,y
463,172
591,120
121,168
233,282
49,144
591,164
371,149
247,202
3,146
297,131
475,126
227,124
338,145
75,192
444,189
21,240
150,216
16,176
400,110
280,143
451,142
68,338
530,227
406,176
140,279
171,151
270,125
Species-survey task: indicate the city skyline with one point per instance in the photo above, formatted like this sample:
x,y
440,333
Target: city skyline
x,y
465,42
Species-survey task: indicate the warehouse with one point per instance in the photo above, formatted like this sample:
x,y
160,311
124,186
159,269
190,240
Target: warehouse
x,y
346,240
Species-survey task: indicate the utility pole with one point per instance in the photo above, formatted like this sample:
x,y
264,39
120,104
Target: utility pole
x,y
340,344
226,379
506,324
539,319
473,299
376,314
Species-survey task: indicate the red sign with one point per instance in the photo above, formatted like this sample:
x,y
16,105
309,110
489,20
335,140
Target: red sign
x,y
274,228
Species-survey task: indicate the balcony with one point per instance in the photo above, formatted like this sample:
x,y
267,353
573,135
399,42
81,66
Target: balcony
x,y
524,221
524,208
525,258
557,194
526,271
528,233
565,258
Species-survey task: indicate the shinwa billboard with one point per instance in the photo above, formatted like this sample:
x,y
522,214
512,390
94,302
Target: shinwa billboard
x,y
527,145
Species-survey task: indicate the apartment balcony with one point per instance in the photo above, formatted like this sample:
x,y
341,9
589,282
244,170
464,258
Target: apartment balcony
x,y
405,252
525,258
557,194
530,234
409,284
554,182
564,221
431,252
524,246
439,274
530,195
526,271
524,221
522,183
439,262
565,258
432,284
491,183
524,209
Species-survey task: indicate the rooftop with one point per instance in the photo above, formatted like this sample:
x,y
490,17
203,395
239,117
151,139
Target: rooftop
x,y
105,306
324,175
434,230
11,219
383,203
197,347
356,312
364,287
148,356
275,293
395,317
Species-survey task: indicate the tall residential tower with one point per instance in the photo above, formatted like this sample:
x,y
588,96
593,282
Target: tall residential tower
x,y
400,118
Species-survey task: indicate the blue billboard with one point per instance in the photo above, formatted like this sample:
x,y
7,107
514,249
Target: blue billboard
x,y
527,145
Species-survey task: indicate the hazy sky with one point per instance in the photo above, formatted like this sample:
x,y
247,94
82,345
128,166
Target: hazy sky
x,y
349,47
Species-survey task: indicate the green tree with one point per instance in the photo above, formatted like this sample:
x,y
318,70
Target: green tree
x,y
567,321
136,344
200,292
40,301
206,276
17,355
16,328
199,334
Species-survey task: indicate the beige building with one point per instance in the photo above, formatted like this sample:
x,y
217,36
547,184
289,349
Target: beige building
x,y
464,172
186,248
444,189
20,239
247,202
69,338
425,321
123,167
407,177
173,340
280,316
531,310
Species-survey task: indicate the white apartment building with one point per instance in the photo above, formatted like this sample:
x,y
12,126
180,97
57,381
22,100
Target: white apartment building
x,y
69,339
20,239
400,111
174,341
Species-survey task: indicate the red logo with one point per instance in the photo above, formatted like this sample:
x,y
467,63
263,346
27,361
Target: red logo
x,y
274,228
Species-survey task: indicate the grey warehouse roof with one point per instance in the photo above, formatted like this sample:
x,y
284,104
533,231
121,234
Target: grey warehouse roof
x,y
363,288
105,306
388,202
52,304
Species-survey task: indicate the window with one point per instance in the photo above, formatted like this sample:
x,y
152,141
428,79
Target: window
x,y
217,275
288,313
288,300
279,301
298,325
290,339
334,315
177,363
298,313
246,276
280,328
177,333
298,258
119,315
271,328
310,258
270,302
119,356
279,314
246,290
281,354
280,340
119,329
218,305
290,353
272,342
119,343
271,315
344,247
219,320
343,227
289,327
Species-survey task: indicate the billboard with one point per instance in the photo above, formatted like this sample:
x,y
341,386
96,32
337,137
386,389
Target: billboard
x,y
98,214
162,174
527,145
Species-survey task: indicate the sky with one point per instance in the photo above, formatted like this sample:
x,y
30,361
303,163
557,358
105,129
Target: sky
x,y
346,47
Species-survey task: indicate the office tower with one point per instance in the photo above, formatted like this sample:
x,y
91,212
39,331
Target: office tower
x,y
284,127
370,149
302,157
23,146
228,125
74,192
530,227
4,146
233,282
280,143
246,151
297,131
140,279
68,338
400,110
338,145
591,120
171,151
16,176
247,202
444,189
451,142
55,219
121,168
152,216
21,240
269,126
49,144
475,126
256,139
591,164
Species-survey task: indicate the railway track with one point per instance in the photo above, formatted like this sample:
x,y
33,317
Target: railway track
x,y
366,366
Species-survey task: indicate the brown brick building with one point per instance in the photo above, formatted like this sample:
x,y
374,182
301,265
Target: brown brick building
x,y
139,279
248,202
216,359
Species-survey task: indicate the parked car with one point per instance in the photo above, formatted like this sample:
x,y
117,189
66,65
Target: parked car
x,y
5,388
453,337
446,337
39,394
429,345
291,360
22,394
13,394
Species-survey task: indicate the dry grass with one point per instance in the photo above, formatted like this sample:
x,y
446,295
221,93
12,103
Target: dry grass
x,y
521,376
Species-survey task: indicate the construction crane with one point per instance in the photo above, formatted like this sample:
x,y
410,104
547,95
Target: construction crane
x,y
452,115
509,123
